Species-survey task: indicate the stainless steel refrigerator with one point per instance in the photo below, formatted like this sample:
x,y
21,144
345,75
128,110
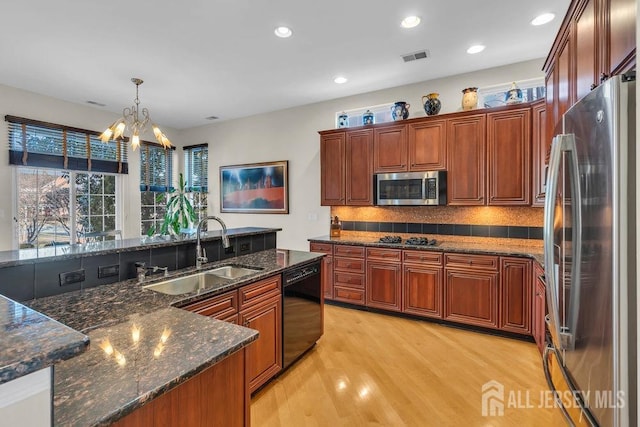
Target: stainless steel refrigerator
x,y
589,257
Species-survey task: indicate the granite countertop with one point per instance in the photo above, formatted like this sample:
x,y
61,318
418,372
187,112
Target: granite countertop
x,y
31,341
530,248
93,389
22,256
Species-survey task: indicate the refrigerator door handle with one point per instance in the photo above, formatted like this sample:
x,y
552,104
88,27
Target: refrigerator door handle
x,y
569,334
548,229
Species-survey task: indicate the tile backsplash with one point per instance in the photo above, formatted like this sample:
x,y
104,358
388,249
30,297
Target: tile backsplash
x,y
485,221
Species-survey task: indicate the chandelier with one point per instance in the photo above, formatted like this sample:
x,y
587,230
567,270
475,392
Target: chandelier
x,y
131,119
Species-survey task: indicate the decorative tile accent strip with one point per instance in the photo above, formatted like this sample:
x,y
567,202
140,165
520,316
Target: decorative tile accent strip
x,y
504,231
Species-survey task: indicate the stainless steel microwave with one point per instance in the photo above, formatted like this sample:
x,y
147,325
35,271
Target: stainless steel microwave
x,y
411,188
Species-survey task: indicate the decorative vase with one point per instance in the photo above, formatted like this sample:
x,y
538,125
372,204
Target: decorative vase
x,y
469,98
432,104
513,95
400,111
343,120
368,118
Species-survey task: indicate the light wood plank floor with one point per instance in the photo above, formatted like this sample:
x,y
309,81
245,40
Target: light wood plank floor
x,y
375,370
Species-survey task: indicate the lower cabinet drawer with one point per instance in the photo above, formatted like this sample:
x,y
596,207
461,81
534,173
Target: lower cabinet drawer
x,y
350,295
352,265
220,307
259,291
348,279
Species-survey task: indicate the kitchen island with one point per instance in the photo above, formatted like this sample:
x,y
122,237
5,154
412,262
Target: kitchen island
x,y
99,388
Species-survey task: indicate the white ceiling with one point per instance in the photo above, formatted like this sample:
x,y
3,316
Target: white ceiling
x,y
203,58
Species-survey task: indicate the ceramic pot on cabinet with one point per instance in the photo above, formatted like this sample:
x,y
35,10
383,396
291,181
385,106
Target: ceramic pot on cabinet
x,y
343,120
432,104
400,111
469,98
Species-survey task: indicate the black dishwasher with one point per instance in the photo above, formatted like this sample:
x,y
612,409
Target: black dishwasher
x,y
302,311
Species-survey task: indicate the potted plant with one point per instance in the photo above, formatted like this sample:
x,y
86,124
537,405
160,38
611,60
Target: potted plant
x,y
179,214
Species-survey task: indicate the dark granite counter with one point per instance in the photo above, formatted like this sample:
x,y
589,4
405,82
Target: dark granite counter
x,y
94,389
23,256
30,341
446,243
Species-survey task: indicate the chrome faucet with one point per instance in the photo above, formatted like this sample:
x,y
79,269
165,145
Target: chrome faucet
x,y
142,270
201,254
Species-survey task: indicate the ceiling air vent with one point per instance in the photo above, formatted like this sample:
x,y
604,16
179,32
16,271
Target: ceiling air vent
x,y
212,118
423,54
99,104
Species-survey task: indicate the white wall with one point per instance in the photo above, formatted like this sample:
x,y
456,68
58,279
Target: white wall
x,y
293,135
22,103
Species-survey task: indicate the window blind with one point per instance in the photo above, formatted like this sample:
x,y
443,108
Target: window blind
x,y
196,161
41,144
155,167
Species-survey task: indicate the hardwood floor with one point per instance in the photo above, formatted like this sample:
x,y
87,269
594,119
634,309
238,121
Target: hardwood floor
x,y
375,370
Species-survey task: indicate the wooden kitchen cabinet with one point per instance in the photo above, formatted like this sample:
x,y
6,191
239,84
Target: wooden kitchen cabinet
x,y
466,153
427,145
540,149
346,168
327,267
384,279
219,393
257,306
359,167
264,356
471,293
390,149
422,283
333,169
538,324
349,274
596,40
515,290
509,157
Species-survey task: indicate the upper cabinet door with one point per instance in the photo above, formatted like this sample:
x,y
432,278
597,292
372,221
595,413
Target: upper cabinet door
x,y
359,167
466,147
509,157
586,39
390,149
332,169
540,147
428,146
621,26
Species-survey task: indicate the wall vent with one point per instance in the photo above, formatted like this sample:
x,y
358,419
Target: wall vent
x,y
423,54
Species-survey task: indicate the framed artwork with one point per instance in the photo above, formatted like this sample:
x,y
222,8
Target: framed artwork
x,y
255,188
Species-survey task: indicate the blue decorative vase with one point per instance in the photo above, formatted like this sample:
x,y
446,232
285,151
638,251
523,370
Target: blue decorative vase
x,y
432,104
400,111
513,95
343,120
368,118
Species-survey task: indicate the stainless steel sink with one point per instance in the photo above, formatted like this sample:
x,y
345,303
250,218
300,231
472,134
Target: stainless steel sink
x,y
233,271
188,284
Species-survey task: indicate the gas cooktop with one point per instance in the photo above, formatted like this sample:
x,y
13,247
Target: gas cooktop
x,y
417,241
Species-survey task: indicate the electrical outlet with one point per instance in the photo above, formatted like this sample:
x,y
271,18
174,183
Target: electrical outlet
x,y
71,277
229,250
108,271
244,247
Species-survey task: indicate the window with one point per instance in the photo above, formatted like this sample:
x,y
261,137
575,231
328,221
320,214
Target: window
x,y
155,181
196,170
66,181
51,211
494,96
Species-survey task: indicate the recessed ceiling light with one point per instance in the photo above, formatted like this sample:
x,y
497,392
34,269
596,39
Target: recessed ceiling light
x,y
283,32
340,80
410,22
543,19
477,48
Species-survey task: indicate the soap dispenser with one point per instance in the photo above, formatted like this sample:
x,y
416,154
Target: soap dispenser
x,y
336,227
